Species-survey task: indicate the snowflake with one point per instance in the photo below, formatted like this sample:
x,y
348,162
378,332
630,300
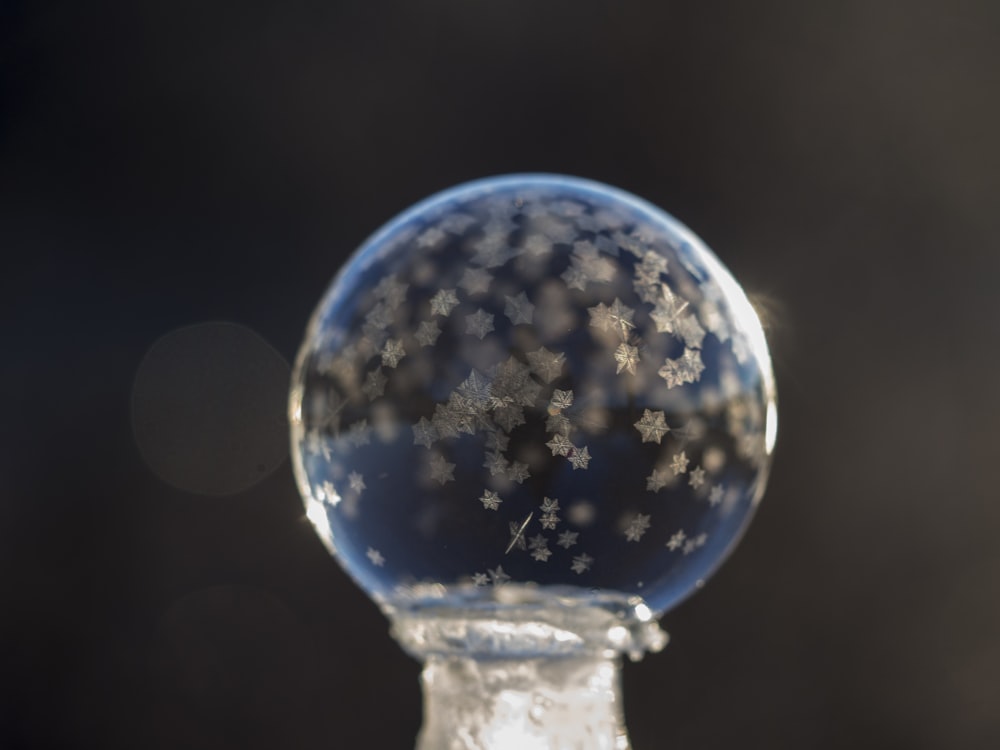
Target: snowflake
x,y
627,358
512,384
430,237
480,579
358,434
490,500
427,333
620,317
392,291
537,245
492,249
668,311
679,463
496,463
599,317
653,263
691,331
697,478
549,520
559,445
497,441
560,400
374,384
686,369
692,544
715,496
567,539
424,433
476,390
652,426
476,280
519,309
443,302
580,458
538,541
550,505
498,577
509,417
676,541
542,554
441,470
545,364
659,479
589,259
356,481
376,557
392,352
575,278
582,563
518,472
479,323
637,527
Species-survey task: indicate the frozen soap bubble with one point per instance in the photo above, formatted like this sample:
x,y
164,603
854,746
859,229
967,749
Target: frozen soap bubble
x,y
534,384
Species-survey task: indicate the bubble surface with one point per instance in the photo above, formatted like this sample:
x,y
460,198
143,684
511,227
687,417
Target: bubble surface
x,y
532,381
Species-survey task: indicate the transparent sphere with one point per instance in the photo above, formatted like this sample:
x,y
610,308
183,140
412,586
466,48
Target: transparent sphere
x,y
536,383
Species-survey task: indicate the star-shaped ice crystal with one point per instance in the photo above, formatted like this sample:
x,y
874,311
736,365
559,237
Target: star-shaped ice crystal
x,y
443,302
637,527
519,309
490,500
652,426
479,323
627,358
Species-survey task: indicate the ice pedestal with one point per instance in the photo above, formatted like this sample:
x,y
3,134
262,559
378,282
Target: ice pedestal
x,y
528,670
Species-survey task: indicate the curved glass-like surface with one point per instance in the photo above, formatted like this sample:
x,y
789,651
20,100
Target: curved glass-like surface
x,y
532,380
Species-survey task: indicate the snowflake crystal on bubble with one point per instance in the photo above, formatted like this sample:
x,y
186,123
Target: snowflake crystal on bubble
x,y
536,381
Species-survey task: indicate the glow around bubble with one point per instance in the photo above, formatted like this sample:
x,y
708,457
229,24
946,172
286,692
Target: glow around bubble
x,y
538,381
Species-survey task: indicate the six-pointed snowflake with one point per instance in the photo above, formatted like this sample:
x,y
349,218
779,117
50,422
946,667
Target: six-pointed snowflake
x,y
637,527
392,352
479,323
356,481
581,563
580,458
676,540
567,539
519,309
427,333
715,495
545,364
627,358
490,500
376,557
443,302
424,433
559,445
652,426
679,463
441,470
374,384
498,577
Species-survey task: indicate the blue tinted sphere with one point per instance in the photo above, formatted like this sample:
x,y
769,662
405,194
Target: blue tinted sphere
x,y
532,380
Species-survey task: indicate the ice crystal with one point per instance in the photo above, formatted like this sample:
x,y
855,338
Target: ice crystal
x,y
652,426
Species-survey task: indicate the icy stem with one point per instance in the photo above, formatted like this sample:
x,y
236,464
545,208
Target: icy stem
x,y
524,668
561,703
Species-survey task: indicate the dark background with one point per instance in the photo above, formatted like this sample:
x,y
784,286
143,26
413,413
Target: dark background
x,y
166,164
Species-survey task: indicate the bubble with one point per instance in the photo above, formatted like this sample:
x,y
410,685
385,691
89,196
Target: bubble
x,y
208,408
536,382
